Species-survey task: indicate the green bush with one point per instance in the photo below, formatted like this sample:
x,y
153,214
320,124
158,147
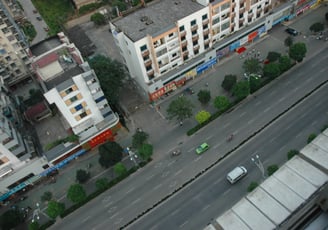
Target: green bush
x,y
311,137
88,8
272,169
252,186
324,128
291,153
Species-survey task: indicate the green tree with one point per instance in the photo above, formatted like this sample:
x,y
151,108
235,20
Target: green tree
x,y
222,103
145,151
284,63
110,154
311,137
291,153
272,169
297,51
47,195
202,116
271,70
254,83
252,65
252,186
289,41
317,27
229,81
82,176
98,19
10,219
121,5
111,75
180,109
273,56
55,209
241,90
120,169
102,184
204,96
76,193
139,138
34,226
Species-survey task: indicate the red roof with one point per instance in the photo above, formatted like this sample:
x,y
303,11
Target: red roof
x,y
46,60
35,110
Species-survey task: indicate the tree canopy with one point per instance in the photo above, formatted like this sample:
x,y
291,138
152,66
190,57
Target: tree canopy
x,y
76,193
289,41
297,51
229,81
120,169
180,109
10,219
254,83
252,65
284,63
110,154
145,151
273,56
222,103
139,138
271,70
111,74
55,209
204,96
82,176
98,18
317,27
202,116
241,90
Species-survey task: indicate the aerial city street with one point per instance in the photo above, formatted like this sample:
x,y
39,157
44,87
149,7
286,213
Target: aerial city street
x,y
146,114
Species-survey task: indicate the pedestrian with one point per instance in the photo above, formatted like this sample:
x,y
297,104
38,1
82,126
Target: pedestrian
x,y
181,123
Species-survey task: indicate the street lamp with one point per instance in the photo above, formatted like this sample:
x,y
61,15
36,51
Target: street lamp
x,y
36,212
133,156
259,164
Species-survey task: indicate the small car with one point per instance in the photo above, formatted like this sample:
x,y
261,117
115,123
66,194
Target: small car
x,y
176,152
202,148
291,31
190,91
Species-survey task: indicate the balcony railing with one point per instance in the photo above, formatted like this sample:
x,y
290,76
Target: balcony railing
x,y
196,47
145,53
150,72
183,33
241,10
205,21
194,27
206,32
148,62
184,43
195,37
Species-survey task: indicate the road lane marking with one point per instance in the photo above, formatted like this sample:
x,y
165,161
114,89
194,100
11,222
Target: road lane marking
x,y
157,186
281,99
178,172
257,103
267,109
218,181
295,89
206,207
226,125
197,159
175,212
273,92
108,204
226,192
173,184
86,219
113,215
209,137
216,146
190,150
135,201
184,223
242,114
151,176
130,190
273,139
250,121
170,163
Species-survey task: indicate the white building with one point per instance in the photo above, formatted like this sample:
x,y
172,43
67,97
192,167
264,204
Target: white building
x,y
167,34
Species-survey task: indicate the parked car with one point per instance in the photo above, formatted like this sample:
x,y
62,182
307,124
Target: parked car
x,y
202,148
176,152
291,31
190,91
236,174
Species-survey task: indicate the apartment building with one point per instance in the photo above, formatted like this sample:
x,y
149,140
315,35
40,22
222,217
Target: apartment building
x,y
14,62
166,35
70,84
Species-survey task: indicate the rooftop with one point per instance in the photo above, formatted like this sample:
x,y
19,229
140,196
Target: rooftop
x,y
45,45
156,17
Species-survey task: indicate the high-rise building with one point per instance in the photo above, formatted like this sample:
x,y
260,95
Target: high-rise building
x,y
165,35
15,64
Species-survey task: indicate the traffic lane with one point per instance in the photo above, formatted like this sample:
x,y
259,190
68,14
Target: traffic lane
x,y
269,155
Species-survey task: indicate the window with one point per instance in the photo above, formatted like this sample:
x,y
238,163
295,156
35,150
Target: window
x,y
205,27
216,20
174,55
207,46
72,99
205,37
184,48
78,107
170,35
195,43
69,90
196,52
204,17
194,32
185,58
143,48
183,38
108,113
100,99
148,68
193,22
181,28
84,114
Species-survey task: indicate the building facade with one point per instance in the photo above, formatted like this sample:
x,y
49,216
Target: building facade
x,y
15,64
167,35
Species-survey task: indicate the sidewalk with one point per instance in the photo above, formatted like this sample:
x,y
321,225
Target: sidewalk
x,y
163,134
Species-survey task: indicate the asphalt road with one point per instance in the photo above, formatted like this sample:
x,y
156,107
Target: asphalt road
x,y
139,192
211,195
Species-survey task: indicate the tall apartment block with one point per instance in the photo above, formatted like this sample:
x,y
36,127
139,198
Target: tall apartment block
x,y
157,41
14,62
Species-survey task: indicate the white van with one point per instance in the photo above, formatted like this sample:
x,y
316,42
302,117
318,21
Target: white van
x,y
236,174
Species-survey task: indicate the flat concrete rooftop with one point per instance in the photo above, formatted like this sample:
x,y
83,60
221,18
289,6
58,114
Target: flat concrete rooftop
x,y
160,16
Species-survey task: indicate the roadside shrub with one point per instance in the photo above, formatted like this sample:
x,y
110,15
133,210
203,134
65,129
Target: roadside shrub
x,y
311,137
272,169
292,153
252,186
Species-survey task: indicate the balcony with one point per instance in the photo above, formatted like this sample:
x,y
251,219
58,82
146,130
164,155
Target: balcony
x,y
233,5
194,27
259,11
183,33
242,1
184,43
207,41
150,72
195,37
145,53
242,10
196,47
233,14
266,8
206,21
148,62
241,20
185,53
206,32
232,25
250,15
